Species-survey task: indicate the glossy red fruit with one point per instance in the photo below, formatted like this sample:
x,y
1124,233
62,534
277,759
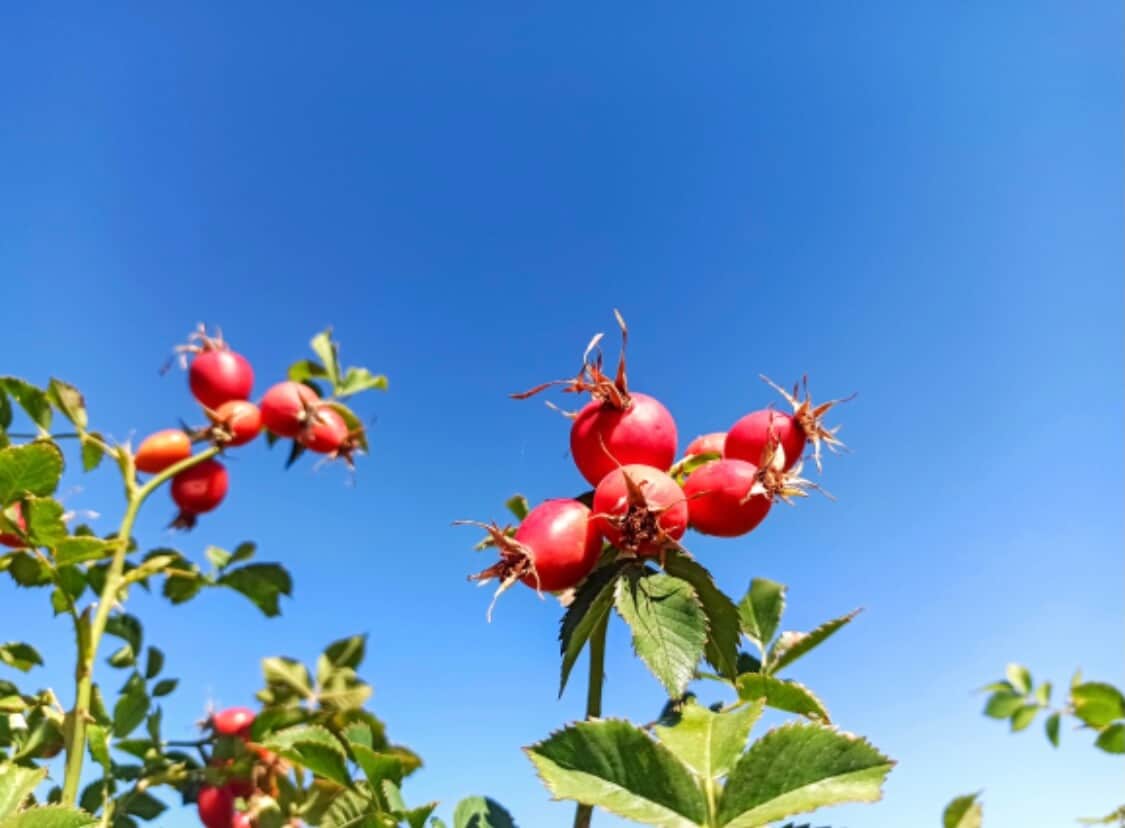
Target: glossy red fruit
x,y
216,806
236,423
604,437
325,432
219,375
749,438
562,543
197,490
162,450
241,820
706,444
285,408
233,721
7,538
640,509
719,498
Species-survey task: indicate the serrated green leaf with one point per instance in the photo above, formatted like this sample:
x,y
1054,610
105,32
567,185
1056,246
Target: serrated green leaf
x,y
668,624
306,369
723,617
180,588
1052,728
16,785
126,627
1097,703
32,469
589,608
288,674
962,812
19,655
613,765
74,550
706,741
377,766
782,694
326,351
262,583
68,399
131,707
481,812
1024,716
314,748
50,816
357,380
791,646
1112,738
32,400
798,768
347,652
28,570
761,609
97,740
1002,704
1019,677
164,687
44,517
92,451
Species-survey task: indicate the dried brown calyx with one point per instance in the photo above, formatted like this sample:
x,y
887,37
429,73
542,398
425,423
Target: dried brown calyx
x,y
638,530
514,565
592,379
774,482
811,417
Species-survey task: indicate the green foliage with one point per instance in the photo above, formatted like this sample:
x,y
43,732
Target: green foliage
x,y
481,812
963,812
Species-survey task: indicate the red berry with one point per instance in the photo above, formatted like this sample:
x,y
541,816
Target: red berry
x,y
162,450
197,490
706,444
285,408
604,436
216,806
325,432
236,423
219,375
562,543
640,509
719,498
234,721
241,820
10,540
749,438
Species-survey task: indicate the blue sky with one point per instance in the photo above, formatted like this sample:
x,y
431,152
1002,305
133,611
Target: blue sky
x,y
922,205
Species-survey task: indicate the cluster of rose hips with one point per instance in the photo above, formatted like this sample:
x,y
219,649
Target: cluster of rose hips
x,y
624,445
222,380
246,768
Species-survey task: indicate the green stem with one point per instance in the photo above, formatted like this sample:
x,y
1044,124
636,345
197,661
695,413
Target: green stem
x,y
84,675
585,813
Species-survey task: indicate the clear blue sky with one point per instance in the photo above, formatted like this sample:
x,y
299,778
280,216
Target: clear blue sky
x,y
923,205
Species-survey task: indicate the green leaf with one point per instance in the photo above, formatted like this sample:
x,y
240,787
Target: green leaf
x,y
1024,716
154,663
798,768
243,552
723,617
144,805
590,606
616,766
28,571
761,609
44,517
82,549
287,674
481,812
127,628
347,652
131,708
92,451
97,739
262,583
314,748
669,627
67,399
791,646
709,742
32,400
16,785
357,380
1097,704
180,588
1002,704
151,565
123,657
20,656
781,694
50,816
1019,677
519,507
1043,693
962,812
33,469
306,369
1052,728
326,351
164,687
1116,818
377,766
1112,738
218,557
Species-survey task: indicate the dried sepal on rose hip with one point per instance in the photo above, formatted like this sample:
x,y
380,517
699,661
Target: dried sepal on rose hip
x,y
553,549
234,423
750,436
216,374
287,407
640,509
618,426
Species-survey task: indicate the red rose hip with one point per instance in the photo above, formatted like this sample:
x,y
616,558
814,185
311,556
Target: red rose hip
x,y
725,498
640,509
